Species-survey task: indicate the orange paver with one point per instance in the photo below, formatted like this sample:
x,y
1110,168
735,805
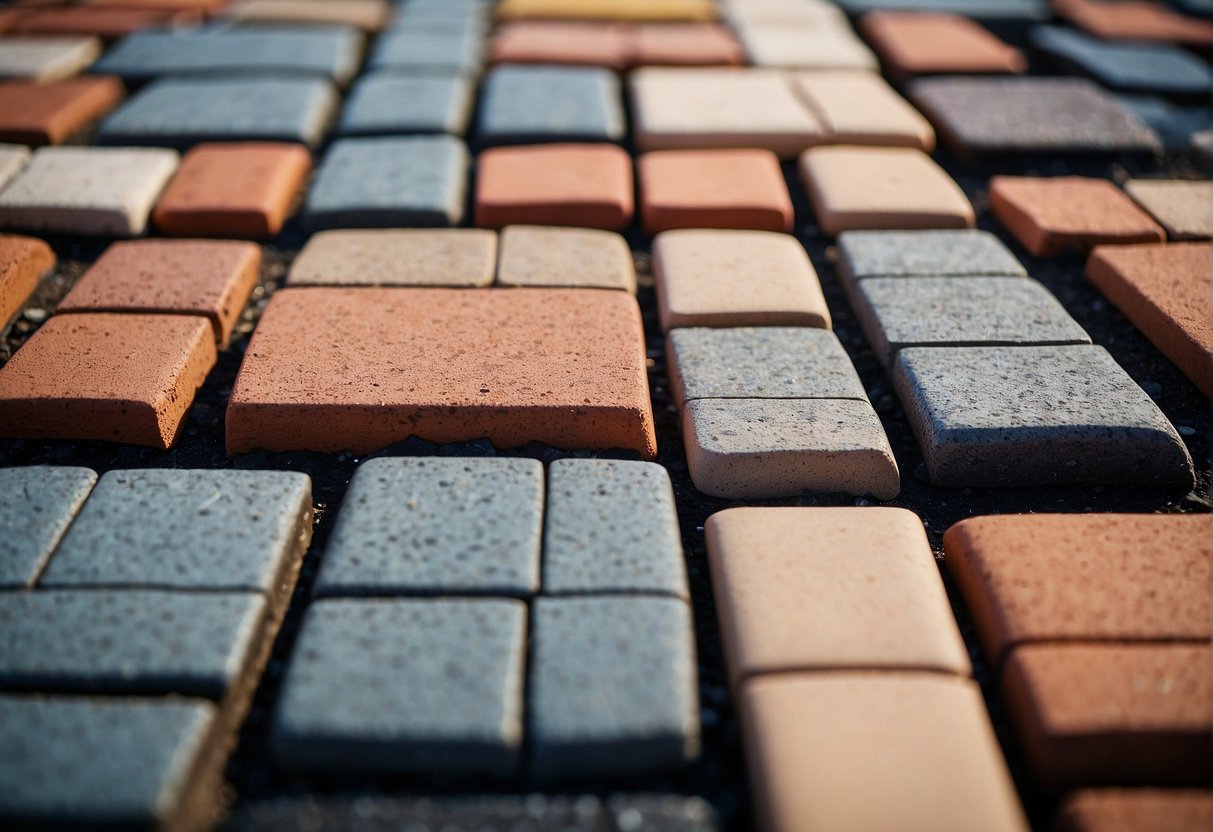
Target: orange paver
x,y
713,189
586,185
920,43
47,113
554,42
212,279
1136,810
233,190
103,376
637,10
23,261
561,366
9,18
860,108
205,7
1051,215
1129,20
100,21
1165,291
687,44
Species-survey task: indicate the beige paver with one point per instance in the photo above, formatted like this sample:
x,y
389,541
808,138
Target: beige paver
x,y
368,15
543,256
741,188
818,46
860,108
1134,810
46,58
456,257
13,157
1183,207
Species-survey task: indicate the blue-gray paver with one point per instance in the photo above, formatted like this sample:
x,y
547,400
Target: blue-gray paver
x,y
383,103
1175,124
989,12
863,254
551,103
389,182
37,504
1142,67
411,49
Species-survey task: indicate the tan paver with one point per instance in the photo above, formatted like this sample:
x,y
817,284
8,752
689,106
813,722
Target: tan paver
x,y
736,278
1184,208
586,258
923,43
638,10
1136,21
713,189
555,42
47,113
456,257
685,44
855,188
818,46
46,58
23,261
367,15
1135,810
860,108
1051,215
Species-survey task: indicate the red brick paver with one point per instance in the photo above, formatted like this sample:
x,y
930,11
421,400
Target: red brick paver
x,y
38,114
109,23
23,260
713,189
916,43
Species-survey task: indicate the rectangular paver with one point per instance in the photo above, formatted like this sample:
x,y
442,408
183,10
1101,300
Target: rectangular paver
x,y
1145,67
23,262
399,103
46,58
937,43
39,503
821,46
567,43
452,257
863,254
1183,207
367,15
686,44
541,256
1123,810
47,113
457,51
529,104
859,108
741,188
638,10
1140,21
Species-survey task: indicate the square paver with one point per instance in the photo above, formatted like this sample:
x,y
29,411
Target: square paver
x,y
541,256
452,257
457,51
859,108
425,686
1020,416
527,104
563,43
401,103
1145,67
47,113
560,366
863,254
822,46
1183,207
1137,21
87,190
38,504
46,58
925,43
377,182
23,262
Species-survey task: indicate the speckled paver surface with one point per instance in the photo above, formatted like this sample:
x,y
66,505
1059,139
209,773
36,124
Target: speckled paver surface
x,y
529,104
40,503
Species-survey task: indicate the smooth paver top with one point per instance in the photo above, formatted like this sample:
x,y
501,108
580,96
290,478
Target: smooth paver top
x,y
451,51
566,43
46,58
864,254
47,113
550,103
1136,21
1125,810
367,15
859,108
23,262
1183,207
13,157
822,46
400,102
655,10
107,23
925,43
39,503
742,188
454,257
541,256
988,11
1145,67
686,44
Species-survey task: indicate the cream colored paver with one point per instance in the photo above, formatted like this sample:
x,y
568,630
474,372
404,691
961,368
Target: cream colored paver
x,y
860,108
46,58
456,257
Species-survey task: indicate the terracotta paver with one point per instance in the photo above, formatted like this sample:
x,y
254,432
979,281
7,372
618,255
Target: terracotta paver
x,y
1051,215
1136,21
9,18
736,278
99,21
452,257
1164,291
1183,207
204,7
242,190
46,58
540,256
713,189
554,42
924,43
1113,714
106,376
588,185
859,108
367,15
561,366
1131,810
212,279
23,261
854,188
689,44
637,10
47,113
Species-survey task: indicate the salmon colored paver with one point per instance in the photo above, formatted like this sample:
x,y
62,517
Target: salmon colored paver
x,y
367,15
120,378
587,258
204,7
561,366
922,43
451,257
1052,215
713,189
1136,21
38,114
1165,291
1135,810
1183,207
859,108
109,23
636,10
212,279
587,185
686,44
555,42
23,261
1125,714
240,190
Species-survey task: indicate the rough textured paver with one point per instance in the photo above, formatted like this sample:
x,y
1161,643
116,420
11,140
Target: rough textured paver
x,y
824,46
384,103
1184,208
367,15
437,527
844,751
863,581
243,189
1146,67
457,51
185,277
1164,291
454,257
638,10
611,526
87,190
1127,810
639,713
690,44
1177,125
859,108
47,113
561,366
188,529
713,189
424,686
95,376
736,278
415,180
539,256
46,58
527,104
13,157
863,254
924,43
1018,416
562,43
1136,21
23,262
37,504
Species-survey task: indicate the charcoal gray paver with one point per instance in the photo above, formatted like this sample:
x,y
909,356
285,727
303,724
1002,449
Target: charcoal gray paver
x,y
900,312
552,103
612,686
181,112
214,530
437,527
389,182
127,641
403,49
72,760
1173,123
399,103
760,363
1145,67
37,504
1020,416
863,254
405,685
988,11
611,526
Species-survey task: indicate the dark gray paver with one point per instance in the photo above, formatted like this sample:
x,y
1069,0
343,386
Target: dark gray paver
x,y
900,312
760,363
383,103
127,641
181,112
213,530
551,103
1021,416
1038,115
388,182
330,51
1173,123
864,254
988,11
410,685
437,527
613,686
1144,67
37,504
404,49
123,762
611,526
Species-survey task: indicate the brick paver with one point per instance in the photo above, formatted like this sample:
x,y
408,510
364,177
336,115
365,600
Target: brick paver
x,y
1125,810
398,102
1136,21
40,503
821,46
1143,67
449,51
13,157
367,15
566,43
46,58
48,113
713,189
539,256
1183,207
452,257
690,44
107,23
916,43
638,10
859,108
531,104
864,254
23,262
988,12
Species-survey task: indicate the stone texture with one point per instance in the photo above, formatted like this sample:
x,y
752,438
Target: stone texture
x,y
640,712
367,15
455,257
925,43
23,262
639,10
48,113
46,58
823,46
563,43
713,189
1018,416
859,108
1127,810
529,104
1145,67
385,103
1183,208
1136,21
539,256
457,51
424,686
863,254
37,504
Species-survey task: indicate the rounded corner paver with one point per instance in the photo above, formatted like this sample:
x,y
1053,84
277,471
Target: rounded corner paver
x,y
535,104
947,253
40,502
914,43
450,257
569,43
46,58
23,262
860,108
555,257
400,101
1183,207
36,113
1128,810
